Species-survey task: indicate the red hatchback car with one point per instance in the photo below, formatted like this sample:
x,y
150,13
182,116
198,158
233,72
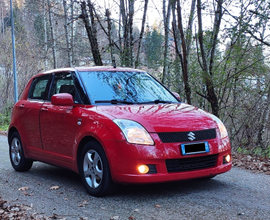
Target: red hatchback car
x,y
114,125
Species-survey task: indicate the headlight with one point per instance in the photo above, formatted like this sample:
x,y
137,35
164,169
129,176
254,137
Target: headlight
x,y
134,132
221,126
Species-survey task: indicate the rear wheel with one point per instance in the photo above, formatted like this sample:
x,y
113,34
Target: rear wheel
x,y
16,154
95,171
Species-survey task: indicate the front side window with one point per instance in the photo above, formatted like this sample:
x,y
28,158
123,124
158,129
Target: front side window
x,y
39,88
64,83
125,87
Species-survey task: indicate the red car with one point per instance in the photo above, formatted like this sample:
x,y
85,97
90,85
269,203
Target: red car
x,y
114,125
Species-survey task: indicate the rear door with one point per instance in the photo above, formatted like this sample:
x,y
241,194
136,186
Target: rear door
x,y
29,113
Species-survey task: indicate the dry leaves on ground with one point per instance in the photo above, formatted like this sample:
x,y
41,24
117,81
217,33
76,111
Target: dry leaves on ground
x,y
255,163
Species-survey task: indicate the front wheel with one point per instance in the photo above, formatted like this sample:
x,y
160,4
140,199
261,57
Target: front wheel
x,y
95,171
16,154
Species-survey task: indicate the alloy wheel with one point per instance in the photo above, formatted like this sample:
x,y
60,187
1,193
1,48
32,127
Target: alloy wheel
x,y
93,169
16,150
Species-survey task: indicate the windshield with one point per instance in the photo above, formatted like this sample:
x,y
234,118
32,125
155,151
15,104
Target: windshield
x,y
124,88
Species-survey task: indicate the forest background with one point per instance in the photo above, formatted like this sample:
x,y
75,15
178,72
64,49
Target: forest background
x,y
214,53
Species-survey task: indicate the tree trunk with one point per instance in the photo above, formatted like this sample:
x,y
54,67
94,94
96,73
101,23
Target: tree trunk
x,y
207,77
66,34
185,54
130,24
111,44
45,36
52,36
124,53
141,33
127,24
166,17
72,34
91,31
190,24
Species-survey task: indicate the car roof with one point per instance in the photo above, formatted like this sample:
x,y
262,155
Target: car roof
x,y
93,68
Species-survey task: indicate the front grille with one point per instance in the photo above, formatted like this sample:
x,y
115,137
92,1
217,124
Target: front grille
x,y
189,164
175,137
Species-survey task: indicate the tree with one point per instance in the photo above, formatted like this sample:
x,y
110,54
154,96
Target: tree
x,y
185,41
141,33
90,26
153,48
69,57
52,34
166,11
207,66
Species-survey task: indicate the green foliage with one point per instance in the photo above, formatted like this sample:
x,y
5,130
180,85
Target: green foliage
x,y
39,29
153,48
4,121
5,117
242,150
257,151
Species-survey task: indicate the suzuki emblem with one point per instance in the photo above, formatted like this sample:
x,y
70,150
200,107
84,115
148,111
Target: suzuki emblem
x,y
191,136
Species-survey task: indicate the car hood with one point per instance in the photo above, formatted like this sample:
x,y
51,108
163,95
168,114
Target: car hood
x,y
162,117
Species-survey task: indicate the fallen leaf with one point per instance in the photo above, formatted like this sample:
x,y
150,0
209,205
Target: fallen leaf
x,y
131,217
23,188
27,194
136,210
54,187
158,206
115,217
85,202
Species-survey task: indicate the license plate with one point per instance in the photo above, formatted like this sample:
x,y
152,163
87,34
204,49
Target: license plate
x,y
195,148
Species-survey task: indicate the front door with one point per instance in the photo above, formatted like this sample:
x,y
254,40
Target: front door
x,y
59,124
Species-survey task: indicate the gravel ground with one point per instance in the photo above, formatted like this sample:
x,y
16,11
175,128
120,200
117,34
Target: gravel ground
x,y
47,192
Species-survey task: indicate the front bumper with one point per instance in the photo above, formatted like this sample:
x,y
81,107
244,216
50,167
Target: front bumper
x,y
124,159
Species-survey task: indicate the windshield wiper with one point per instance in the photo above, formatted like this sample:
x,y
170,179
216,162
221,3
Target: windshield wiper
x,y
114,101
157,101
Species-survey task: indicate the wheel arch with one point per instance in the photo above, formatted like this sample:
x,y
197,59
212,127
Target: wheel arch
x,y
11,131
82,143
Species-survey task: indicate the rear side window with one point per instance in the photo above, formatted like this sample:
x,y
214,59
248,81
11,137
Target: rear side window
x,y
39,88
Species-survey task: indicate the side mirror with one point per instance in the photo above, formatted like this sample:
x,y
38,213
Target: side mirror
x,y
176,95
63,99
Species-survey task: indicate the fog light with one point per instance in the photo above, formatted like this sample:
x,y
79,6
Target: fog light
x,y
227,159
143,169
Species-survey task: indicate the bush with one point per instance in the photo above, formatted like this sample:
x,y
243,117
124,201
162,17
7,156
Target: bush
x,y
5,119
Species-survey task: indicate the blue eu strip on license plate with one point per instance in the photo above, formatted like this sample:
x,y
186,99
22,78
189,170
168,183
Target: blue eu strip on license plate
x,y
195,148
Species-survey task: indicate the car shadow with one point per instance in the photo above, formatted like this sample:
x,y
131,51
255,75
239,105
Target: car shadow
x,y
53,174
71,180
172,188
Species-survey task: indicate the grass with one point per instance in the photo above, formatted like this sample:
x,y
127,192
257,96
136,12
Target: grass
x,y
4,122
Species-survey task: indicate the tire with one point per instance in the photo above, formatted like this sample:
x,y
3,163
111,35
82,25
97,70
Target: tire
x,y
95,171
16,154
